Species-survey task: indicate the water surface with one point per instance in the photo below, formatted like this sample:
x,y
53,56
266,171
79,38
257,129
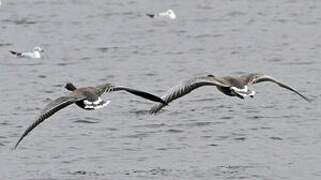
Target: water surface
x,y
204,135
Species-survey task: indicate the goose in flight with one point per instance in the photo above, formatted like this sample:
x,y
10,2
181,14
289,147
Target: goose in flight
x,y
169,13
34,54
86,98
228,85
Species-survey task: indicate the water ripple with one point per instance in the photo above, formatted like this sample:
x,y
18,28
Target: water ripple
x,y
152,125
23,21
276,138
175,131
85,121
5,44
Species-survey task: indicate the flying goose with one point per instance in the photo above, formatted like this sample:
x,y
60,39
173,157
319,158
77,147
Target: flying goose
x,y
87,98
229,85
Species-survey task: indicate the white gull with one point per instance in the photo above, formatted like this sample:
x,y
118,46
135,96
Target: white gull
x,y
169,13
34,54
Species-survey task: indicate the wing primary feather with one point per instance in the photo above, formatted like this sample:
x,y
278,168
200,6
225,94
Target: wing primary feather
x,y
150,15
142,94
15,53
44,115
257,78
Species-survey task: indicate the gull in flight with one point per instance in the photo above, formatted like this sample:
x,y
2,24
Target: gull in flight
x,y
87,98
35,53
169,13
229,85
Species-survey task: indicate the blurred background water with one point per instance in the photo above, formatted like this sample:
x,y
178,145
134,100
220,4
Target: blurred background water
x,y
205,135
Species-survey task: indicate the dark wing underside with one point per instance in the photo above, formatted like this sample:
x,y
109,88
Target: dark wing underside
x,y
142,94
150,15
257,78
15,53
48,111
186,87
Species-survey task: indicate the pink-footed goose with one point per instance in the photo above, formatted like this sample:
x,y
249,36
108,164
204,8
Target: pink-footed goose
x,y
86,98
229,85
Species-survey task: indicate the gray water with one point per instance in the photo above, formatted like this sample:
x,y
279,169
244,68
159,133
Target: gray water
x,y
205,135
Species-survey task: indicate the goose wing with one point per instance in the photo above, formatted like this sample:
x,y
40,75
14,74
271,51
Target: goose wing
x,y
142,94
257,78
186,87
48,111
103,88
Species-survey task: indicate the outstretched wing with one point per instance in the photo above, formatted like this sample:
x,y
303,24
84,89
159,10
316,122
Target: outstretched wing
x,y
142,94
48,111
184,88
257,78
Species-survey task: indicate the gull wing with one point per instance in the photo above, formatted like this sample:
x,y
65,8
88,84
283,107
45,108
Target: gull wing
x,y
15,53
255,78
186,87
27,54
150,15
48,111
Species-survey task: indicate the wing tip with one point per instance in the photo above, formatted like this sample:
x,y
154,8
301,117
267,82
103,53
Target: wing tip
x,y
307,99
13,52
17,144
150,15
